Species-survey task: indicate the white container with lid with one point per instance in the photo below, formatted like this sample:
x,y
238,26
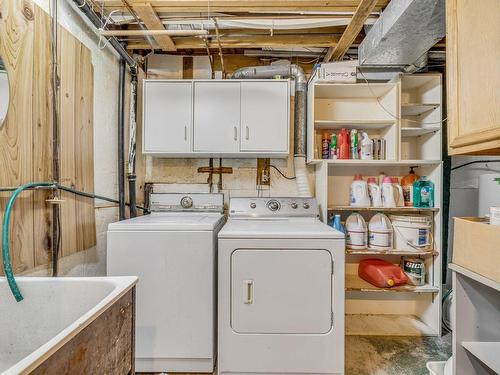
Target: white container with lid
x,y
412,233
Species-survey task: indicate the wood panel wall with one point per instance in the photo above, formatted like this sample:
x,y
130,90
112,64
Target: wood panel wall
x,y
26,137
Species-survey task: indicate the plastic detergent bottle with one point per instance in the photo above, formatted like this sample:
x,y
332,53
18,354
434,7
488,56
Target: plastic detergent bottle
x,y
399,192
337,224
407,185
354,144
375,192
381,177
359,196
357,235
380,233
333,147
423,193
366,147
325,145
388,193
344,144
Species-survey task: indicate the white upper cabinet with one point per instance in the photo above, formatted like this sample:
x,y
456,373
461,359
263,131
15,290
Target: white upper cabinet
x,y
216,116
264,116
167,116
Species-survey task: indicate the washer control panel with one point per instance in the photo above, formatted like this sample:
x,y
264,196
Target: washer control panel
x,y
273,207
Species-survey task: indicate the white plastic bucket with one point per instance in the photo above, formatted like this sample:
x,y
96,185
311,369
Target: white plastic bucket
x,y
412,232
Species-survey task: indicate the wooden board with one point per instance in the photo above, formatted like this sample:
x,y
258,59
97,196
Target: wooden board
x,y
26,137
386,325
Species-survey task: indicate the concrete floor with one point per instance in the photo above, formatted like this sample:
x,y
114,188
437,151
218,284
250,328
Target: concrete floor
x,y
388,355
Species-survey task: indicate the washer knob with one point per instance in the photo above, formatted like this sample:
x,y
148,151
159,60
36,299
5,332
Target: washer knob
x,y
306,205
273,205
187,202
294,205
253,205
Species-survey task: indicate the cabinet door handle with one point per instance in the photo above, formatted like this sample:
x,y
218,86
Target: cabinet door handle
x,y
248,285
235,133
247,136
185,133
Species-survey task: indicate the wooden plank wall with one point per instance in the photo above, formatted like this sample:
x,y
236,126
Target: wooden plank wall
x,y
26,137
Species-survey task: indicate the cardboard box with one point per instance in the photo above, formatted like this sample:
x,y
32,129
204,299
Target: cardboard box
x,y
338,72
476,246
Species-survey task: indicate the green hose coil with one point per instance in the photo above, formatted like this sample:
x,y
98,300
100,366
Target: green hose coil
x,y
5,237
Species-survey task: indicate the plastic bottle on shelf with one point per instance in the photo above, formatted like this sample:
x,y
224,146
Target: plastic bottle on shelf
x,y
344,144
375,192
359,196
337,224
399,192
366,147
357,234
381,177
388,193
407,185
380,233
423,193
325,145
334,147
354,144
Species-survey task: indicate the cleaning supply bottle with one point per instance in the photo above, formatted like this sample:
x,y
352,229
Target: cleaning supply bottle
x,y
357,233
375,192
381,177
399,192
359,196
423,193
380,233
354,144
337,224
344,144
325,145
333,147
407,185
388,193
366,147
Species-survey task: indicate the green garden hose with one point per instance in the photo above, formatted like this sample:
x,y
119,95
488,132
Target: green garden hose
x,y
7,265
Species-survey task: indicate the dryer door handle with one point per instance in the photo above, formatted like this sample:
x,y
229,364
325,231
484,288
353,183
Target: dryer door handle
x,y
248,291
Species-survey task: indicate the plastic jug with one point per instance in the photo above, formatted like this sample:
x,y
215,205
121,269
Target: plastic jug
x,y
380,234
380,273
357,235
388,193
366,147
344,144
359,192
375,192
407,185
400,202
423,193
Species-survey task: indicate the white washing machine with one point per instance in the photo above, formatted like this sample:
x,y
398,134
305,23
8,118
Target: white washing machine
x,y
281,289
173,251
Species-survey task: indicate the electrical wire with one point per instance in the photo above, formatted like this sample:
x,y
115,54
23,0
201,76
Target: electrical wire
x,y
475,162
281,173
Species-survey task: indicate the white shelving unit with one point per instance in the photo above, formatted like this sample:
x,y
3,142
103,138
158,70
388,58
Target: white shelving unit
x,y
407,114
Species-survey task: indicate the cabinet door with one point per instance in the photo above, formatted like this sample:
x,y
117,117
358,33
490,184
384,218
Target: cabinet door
x,y
473,77
264,116
216,116
281,291
167,116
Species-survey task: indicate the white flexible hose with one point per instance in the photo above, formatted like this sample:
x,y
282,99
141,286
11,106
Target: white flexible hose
x,y
303,189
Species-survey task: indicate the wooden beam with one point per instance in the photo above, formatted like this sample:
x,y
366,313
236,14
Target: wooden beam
x,y
152,32
148,15
351,32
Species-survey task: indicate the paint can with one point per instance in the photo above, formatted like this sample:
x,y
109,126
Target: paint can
x,y
414,268
412,233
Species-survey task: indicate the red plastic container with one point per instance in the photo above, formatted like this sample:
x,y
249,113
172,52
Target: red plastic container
x,y
380,273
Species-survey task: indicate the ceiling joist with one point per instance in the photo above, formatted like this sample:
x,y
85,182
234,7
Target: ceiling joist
x,y
151,20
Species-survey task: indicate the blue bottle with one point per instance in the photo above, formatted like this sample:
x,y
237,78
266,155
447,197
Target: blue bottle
x,y
336,224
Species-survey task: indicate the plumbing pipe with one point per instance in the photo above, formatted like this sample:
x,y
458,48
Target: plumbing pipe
x,y
87,10
121,140
153,32
300,127
132,147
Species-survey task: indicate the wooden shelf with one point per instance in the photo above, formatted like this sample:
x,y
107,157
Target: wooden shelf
x,y
356,284
486,352
416,132
351,90
382,209
352,124
416,109
390,252
386,325
367,163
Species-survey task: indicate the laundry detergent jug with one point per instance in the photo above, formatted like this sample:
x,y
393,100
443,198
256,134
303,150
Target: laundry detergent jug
x,y
359,196
375,192
380,233
389,197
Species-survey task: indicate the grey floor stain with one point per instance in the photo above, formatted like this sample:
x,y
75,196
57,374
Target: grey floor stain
x,y
382,355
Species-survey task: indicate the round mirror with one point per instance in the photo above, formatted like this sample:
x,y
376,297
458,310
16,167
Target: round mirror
x,y
4,93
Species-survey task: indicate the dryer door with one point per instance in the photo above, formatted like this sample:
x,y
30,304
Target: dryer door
x,y
281,291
